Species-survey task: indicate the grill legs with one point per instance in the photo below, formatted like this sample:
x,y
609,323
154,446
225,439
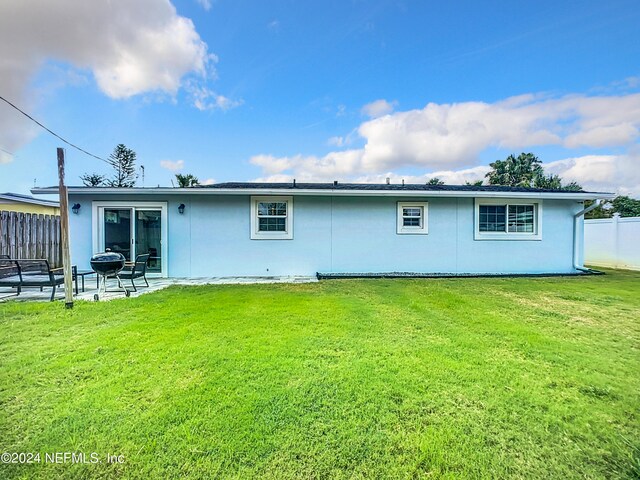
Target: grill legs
x,y
102,288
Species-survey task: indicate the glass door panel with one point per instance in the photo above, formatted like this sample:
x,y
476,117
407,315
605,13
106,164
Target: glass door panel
x,y
117,231
148,237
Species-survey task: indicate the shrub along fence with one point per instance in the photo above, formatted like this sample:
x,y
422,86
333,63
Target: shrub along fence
x,y
30,235
612,242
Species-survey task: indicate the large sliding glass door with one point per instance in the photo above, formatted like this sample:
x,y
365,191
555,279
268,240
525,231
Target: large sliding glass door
x,y
133,229
148,235
117,231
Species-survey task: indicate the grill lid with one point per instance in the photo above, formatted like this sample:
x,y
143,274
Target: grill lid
x,y
107,257
107,263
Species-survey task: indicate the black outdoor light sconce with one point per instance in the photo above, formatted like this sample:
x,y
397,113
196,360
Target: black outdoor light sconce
x,y
76,208
181,209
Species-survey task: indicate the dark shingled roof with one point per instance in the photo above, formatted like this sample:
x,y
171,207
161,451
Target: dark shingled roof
x,y
381,186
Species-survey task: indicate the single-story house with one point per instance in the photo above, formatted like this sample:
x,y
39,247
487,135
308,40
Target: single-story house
x,y
281,229
16,202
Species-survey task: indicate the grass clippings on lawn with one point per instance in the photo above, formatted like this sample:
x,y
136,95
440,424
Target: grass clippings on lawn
x,y
428,378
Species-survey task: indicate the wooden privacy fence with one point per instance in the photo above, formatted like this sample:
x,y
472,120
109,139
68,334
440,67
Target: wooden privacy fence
x,y
29,235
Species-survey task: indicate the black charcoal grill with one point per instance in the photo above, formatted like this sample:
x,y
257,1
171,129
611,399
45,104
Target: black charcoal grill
x,y
108,264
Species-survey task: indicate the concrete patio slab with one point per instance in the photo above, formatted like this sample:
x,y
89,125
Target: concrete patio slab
x,y
155,284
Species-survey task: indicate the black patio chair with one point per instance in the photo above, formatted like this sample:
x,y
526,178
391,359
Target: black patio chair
x,y
137,270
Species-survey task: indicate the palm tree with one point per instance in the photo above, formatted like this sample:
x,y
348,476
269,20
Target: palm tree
x,y
187,180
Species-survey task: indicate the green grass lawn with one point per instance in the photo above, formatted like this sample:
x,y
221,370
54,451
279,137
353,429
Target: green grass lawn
x,y
430,378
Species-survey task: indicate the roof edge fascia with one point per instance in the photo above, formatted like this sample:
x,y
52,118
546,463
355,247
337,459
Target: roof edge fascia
x,y
325,192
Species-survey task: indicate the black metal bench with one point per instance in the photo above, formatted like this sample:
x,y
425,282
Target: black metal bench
x,y
29,273
137,270
9,274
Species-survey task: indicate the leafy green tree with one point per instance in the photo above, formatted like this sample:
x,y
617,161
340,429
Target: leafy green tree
x,y
603,210
526,170
187,180
622,204
626,206
520,171
476,183
435,181
554,182
572,187
123,160
93,179
550,182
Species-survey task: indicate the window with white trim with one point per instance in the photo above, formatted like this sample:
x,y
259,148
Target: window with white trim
x,y
508,220
271,218
412,218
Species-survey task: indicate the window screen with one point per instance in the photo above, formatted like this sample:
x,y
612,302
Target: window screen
x,y
412,217
272,216
520,218
492,218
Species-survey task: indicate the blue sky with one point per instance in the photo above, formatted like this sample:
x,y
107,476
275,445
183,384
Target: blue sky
x,y
350,90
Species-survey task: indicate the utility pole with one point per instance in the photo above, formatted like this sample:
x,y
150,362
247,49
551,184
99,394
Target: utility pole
x,y
64,232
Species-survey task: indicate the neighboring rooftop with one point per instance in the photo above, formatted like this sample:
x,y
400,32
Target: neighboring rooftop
x,y
20,198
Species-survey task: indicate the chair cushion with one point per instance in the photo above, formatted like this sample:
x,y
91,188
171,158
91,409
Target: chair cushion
x,y
41,280
12,281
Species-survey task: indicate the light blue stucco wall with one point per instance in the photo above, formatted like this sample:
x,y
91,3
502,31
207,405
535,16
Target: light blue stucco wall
x,y
339,234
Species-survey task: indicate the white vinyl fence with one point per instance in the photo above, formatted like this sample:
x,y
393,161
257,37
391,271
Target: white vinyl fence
x,y
612,242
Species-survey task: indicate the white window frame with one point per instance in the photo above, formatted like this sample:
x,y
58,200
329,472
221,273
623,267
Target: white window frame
x,y
258,235
537,220
423,229
97,228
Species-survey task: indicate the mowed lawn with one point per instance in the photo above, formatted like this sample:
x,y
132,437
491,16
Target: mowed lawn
x,y
444,378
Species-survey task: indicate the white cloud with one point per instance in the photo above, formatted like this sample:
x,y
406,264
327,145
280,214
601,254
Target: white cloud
x,y
609,173
206,99
612,135
336,141
5,157
206,4
618,174
173,165
274,25
130,48
208,181
335,165
343,141
378,108
454,134
271,164
444,138
450,177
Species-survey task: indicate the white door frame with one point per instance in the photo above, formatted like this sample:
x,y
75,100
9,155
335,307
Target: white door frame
x,y
97,227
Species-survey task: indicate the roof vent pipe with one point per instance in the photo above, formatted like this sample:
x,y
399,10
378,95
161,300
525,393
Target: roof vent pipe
x,y
294,183
403,182
388,181
335,183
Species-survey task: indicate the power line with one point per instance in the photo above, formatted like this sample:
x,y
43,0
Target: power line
x,y
51,132
6,151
